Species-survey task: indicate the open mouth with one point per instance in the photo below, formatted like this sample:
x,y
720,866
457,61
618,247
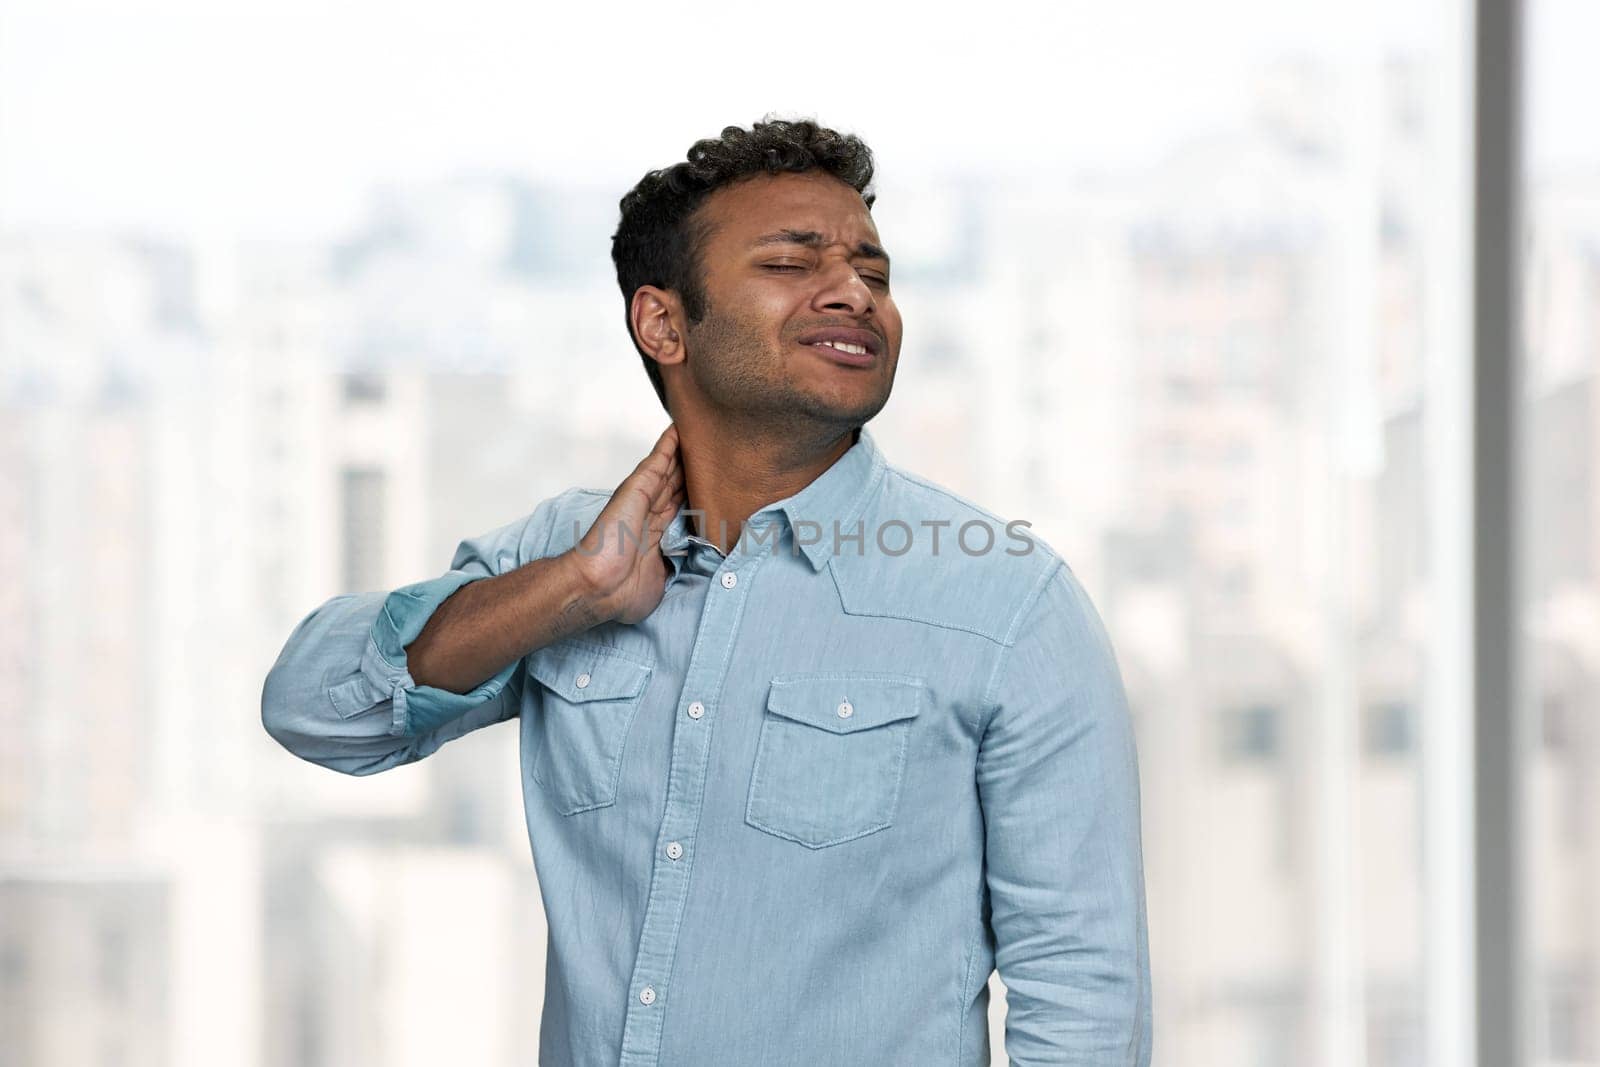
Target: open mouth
x,y
844,352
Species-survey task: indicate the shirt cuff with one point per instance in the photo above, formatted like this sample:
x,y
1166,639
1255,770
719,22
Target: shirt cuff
x,y
419,708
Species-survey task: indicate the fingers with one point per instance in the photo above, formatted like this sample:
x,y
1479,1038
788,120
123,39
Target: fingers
x,y
671,481
668,441
664,471
670,498
653,493
665,450
658,465
659,518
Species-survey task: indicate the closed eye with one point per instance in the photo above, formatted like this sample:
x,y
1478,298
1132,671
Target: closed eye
x,y
872,279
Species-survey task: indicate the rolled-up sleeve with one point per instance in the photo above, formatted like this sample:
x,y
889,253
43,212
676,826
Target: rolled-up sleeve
x,y
1059,785
340,693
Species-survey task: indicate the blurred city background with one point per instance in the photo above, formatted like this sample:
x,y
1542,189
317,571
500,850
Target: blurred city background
x,y
292,302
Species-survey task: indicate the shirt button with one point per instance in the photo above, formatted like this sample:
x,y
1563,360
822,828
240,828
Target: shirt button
x,y
729,579
845,710
583,681
696,710
674,850
647,995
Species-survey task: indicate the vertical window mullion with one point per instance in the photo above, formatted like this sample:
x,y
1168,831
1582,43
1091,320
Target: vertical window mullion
x,y
1503,989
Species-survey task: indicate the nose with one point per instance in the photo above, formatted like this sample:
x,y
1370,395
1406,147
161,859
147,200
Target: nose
x,y
843,290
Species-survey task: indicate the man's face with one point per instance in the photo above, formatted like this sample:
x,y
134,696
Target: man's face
x,y
793,261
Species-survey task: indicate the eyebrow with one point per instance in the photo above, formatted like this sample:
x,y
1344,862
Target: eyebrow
x,y
813,239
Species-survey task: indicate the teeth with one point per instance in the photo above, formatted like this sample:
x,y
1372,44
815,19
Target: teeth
x,y
845,346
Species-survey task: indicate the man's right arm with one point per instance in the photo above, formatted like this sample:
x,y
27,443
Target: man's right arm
x,y
370,681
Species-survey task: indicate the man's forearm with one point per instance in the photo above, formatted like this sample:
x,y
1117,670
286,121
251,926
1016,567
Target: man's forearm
x,y
489,623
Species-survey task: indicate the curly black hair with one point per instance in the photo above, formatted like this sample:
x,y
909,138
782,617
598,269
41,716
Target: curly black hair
x,y
659,241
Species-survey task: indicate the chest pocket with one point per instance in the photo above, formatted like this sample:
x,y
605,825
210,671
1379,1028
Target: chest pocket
x,y
831,755
590,696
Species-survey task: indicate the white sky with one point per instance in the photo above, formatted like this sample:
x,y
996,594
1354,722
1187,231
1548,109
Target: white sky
x,y
276,119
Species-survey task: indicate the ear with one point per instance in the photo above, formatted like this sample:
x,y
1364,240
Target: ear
x,y
658,323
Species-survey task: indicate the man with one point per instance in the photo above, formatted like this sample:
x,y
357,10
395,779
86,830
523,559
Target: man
x,y
803,762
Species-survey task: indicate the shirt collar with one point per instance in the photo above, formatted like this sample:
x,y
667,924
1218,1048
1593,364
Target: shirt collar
x,y
837,495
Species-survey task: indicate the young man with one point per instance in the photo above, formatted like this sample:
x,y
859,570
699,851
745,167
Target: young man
x,y
810,745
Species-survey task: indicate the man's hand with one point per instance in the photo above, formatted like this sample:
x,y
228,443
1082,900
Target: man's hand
x,y
476,631
620,557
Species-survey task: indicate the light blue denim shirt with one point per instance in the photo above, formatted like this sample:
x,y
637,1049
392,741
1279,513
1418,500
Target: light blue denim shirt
x,y
801,812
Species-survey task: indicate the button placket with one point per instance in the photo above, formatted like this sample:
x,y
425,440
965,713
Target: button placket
x,y
669,881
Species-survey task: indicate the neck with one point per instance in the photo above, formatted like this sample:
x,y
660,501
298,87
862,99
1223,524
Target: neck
x,y
730,473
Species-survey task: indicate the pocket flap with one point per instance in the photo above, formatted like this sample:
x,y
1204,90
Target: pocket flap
x,y
581,672
864,699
